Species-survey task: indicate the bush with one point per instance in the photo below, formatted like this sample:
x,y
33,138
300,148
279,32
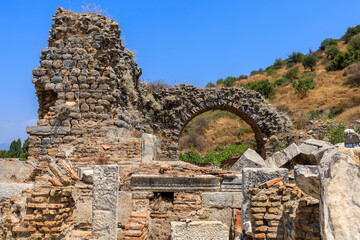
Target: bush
x,y
279,63
351,31
335,133
157,85
309,61
242,76
332,51
295,57
219,81
281,81
264,87
302,86
352,75
292,73
327,43
270,72
341,61
229,81
260,71
191,157
354,44
334,112
210,85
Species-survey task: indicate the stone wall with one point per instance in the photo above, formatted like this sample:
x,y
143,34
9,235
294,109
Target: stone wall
x,y
283,211
93,107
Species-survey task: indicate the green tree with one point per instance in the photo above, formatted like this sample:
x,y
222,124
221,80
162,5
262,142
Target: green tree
x,y
351,31
332,51
302,86
335,133
295,57
309,61
219,81
264,87
15,149
229,81
327,43
210,85
354,44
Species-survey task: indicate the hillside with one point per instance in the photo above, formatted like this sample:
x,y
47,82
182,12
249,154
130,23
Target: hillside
x,y
336,95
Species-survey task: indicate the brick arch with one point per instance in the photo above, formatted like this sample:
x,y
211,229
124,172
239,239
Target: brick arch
x,y
182,103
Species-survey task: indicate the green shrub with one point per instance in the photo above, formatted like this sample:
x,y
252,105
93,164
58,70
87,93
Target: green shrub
x,y
292,73
270,72
351,31
327,43
334,112
219,81
279,63
229,81
335,133
210,85
192,157
332,51
295,57
354,44
302,86
341,61
281,81
260,71
309,61
264,87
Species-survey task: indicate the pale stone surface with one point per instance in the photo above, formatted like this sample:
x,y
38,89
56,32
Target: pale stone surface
x,y
105,202
125,206
307,179
250,159
88,176
339,196
148,148
351,138
47,130
199,230
279,159
312,150
232,183
14,171
252,178
222,199
83,208
8,190
158,183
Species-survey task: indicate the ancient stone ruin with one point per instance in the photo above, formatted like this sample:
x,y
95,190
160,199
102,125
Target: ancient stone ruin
x,y
103,158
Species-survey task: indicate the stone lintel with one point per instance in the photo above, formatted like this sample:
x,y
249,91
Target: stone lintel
x,y
48,130
158,183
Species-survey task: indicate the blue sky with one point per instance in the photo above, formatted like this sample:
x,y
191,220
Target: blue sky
x,y
187,41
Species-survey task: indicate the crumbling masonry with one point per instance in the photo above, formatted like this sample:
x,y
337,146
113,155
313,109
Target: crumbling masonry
x,y
103,157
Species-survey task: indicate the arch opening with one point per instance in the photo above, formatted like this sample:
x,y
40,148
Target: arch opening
x,y
246,122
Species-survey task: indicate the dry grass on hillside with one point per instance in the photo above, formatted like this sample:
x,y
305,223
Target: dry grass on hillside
x,y
208,132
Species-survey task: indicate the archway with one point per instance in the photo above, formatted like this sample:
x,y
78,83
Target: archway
x,y
180,104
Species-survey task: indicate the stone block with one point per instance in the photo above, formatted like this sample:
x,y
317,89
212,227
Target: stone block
x,y
231,183
105,201
250,159
149,144
14,171
222,199
200,230
47,130
307,179
351,138
158,183
339,196
312,150
280,159
8,190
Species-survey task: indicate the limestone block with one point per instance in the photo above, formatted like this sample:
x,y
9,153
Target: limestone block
x,y
125,207
250,159
339,196
159,183
351,138
252,178
8,190
148,148
222,199
105,202
14,171
307,179
199,230
312,150
231,183
47,130
280,159
88,176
